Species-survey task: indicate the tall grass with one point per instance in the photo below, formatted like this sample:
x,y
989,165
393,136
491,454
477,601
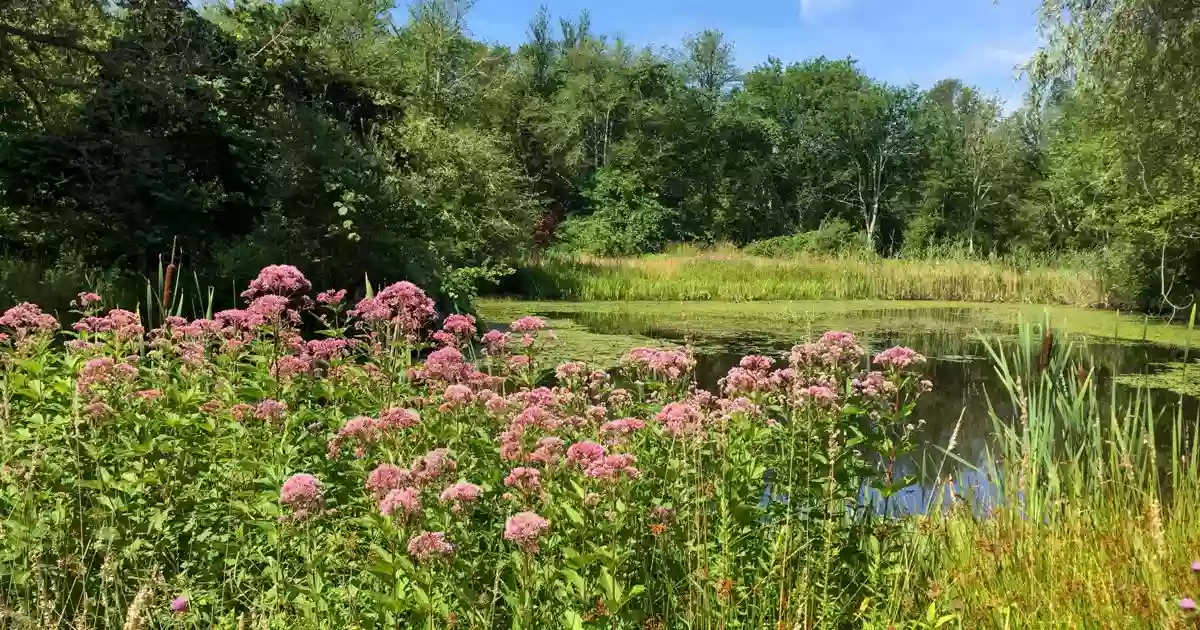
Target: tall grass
x,y
1090,518
732,275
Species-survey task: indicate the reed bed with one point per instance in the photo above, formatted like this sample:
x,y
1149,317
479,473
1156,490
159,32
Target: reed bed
x,y
735,276
1091,518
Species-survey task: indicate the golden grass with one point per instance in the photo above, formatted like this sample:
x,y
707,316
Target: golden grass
x,y
734,276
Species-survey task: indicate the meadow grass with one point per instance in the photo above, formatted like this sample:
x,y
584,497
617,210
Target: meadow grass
x,y
689,274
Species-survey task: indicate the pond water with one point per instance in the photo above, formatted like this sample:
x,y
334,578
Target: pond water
x,y
949,336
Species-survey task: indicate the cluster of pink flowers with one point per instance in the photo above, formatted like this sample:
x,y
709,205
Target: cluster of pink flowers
x,y
303,495
433,466
681,420
448,365
899,358
124,325
404,501
281,280
86,299
402,304
585,453
26,320
528,325
672,364
385,478
269,409
873,385
548,451
363,432
270,310
524,479
570,371
818,395
461,494
525,529
834,350
611,467
148,395
331,297
495,342
104,371
623,427
456,331
428,546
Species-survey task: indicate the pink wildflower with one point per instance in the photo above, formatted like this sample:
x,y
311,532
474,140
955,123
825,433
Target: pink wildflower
x,y
97,410
432,466
518,363
86,299
611,467
461,328
104,371
148,395
331,297
624,426
835,349
524,479
397,418
428,546
672,364
447,365
270,410
528,325
548,451
458,394
362,430
461,494
27,320
302,493
756,363
385,478
818,394
681,420
290,366
403,304
899,357
271,309
404,500
495,342
873,385
584,453
283,280
569,371
524,529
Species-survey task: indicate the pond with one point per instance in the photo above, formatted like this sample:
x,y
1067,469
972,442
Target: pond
x,y
1127,352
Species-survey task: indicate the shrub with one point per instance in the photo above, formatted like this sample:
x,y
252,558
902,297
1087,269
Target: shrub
x,y
835,236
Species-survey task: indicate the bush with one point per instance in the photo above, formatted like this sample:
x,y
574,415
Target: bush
x,y
835,236
626,219
219,472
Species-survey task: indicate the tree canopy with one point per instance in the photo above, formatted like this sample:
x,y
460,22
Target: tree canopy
x,y
348,137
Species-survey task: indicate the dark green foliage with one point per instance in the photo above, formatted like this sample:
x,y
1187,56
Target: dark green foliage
x,y
325,133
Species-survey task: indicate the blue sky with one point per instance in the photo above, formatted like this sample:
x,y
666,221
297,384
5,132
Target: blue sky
x,y
899,41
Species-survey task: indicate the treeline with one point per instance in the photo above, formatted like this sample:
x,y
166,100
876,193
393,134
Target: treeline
x,y
332,135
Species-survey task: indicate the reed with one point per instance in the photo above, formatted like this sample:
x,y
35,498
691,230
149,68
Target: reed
x,y
731,275
1091,518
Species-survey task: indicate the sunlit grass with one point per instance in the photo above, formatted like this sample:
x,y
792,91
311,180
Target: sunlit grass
x,y
730,275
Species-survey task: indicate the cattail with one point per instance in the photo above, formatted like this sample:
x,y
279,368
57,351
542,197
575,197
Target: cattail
x,y
166,289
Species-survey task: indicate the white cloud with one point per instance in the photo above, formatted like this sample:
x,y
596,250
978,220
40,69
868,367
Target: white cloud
x,y
810,9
